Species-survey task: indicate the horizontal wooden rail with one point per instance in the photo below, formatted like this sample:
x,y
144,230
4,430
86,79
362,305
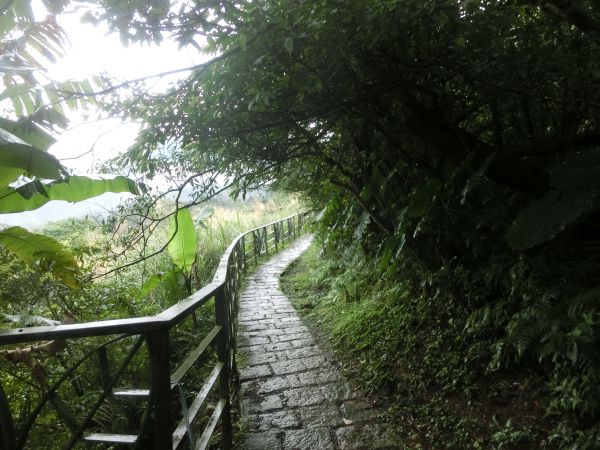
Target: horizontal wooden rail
x,y
160,426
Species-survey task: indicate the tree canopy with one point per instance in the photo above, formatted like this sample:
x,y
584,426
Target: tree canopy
x,y
377,99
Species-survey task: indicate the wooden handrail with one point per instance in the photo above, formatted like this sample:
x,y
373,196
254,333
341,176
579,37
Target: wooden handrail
x,y
224,289
135,325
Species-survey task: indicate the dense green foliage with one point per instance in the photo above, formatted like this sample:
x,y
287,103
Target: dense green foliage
x,y
451,145
411,348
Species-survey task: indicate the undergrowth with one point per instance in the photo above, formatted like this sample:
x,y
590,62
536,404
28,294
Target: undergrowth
x,y
413,346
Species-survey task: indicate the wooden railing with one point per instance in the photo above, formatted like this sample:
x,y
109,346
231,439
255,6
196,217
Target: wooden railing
x,y
150,368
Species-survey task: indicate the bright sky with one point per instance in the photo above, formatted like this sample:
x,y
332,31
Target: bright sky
x,y
93,51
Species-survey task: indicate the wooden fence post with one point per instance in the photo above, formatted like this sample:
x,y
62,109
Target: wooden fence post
x,y
104,367
7,428
223,351
160,392
266,235
243,256
255,249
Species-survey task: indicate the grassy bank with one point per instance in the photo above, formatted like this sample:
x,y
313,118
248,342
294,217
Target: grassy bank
x,y
413,351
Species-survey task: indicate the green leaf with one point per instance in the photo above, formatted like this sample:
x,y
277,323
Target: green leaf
x,y
77,188
8,175
150,284
183,246
28,132
43,252
22,10
168,279
575,190
16,153
7,66
422,198
544,219
387,253
170,282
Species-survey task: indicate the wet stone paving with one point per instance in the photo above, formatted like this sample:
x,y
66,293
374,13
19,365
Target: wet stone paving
x,y
293,394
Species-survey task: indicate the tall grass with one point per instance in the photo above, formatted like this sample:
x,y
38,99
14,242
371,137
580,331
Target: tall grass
x,y
227,223
218,226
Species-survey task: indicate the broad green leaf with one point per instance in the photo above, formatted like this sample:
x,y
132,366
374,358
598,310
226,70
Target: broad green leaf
x,y
43,252
422,197
8,175
545,218
575,190
7,23
16,90
170,282
28,132
78,188
22,10
75,189
49,117
387,253
22,97
16,153
183,246
150,284
6,66
167,279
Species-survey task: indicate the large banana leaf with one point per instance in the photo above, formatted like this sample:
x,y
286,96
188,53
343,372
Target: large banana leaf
x,y
28,132
77,188
183,246
16,153
9,174
43,252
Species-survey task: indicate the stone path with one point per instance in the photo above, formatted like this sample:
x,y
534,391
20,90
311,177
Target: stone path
x,y
293,394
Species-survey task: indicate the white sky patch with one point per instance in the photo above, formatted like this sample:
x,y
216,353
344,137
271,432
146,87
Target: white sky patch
x,y
87,142
93,50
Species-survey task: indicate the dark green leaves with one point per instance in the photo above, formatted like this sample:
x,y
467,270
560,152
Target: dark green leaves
x,y
575,190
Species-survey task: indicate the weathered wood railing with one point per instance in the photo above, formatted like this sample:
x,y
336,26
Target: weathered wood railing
x,y
167,419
